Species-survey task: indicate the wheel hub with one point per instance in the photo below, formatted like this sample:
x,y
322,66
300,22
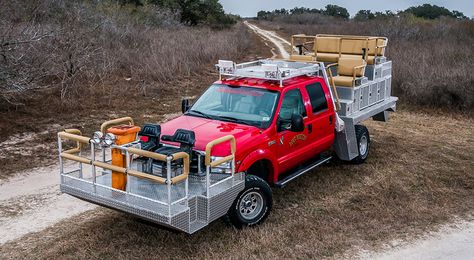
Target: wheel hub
x,y
251,205
363,145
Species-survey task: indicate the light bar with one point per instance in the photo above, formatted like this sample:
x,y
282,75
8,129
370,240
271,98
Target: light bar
x,y
267,69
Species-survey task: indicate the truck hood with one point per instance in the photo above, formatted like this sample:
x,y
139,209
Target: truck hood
x,y
207,130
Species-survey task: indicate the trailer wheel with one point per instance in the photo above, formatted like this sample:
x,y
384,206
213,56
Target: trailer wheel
x,y
363,144
253,205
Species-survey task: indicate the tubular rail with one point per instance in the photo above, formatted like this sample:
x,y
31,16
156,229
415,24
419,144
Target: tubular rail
x,y
333,85
211,144
114,122
70,155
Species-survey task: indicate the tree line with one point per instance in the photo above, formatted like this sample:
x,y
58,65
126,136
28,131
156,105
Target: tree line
x,y
426,11
191,12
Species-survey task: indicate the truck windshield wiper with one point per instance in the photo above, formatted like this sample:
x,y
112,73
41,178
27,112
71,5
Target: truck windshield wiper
x,y
235,120
199,113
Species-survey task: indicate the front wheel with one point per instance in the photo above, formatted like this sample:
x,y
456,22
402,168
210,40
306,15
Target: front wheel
x,y
363,143
253,204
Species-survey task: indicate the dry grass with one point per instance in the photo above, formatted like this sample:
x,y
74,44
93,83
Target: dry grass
x,y
419,174
80,54
431,58
78,63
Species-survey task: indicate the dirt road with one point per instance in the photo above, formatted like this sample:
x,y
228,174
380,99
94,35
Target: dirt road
x,y
282,45
449,243
31,202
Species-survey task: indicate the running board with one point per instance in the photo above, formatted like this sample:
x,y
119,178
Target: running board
x,y
301,171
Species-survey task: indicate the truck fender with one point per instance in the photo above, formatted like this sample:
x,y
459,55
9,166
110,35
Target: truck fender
x,y
260,154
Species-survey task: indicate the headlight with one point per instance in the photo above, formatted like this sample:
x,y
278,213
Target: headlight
x,y
109,139
221,168
97,137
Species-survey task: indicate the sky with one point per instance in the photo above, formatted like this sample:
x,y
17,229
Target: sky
x,y
249,8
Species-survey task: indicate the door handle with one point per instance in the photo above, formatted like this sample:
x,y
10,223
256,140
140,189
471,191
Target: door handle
x,y
330,120
310,128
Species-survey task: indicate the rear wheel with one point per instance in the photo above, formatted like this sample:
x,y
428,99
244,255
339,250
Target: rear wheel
x,y
363,144
253,204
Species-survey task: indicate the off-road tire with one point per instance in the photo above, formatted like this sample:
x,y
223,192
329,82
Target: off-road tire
x,y
257,187
363,138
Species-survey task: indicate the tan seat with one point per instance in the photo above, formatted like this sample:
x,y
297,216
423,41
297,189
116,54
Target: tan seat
x,y
329,48
327,57
348,70
370,59
305,58
345,81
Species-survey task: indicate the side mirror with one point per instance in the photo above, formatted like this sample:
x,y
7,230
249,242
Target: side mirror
x,y
185,105
297,123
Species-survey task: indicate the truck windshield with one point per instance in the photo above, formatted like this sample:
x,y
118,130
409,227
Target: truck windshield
x,y
243,105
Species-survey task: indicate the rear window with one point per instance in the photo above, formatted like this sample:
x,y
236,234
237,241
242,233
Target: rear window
x,y
317,97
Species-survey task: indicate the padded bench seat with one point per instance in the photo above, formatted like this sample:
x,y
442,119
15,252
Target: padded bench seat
x,y
329,48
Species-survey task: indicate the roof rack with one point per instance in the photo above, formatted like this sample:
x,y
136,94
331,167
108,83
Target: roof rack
x,y
269,69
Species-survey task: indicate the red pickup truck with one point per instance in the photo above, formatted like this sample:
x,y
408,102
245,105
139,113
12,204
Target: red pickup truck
x,y
275,128
263,124
281,131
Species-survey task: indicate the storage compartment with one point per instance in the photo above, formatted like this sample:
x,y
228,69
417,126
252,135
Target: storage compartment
x,y
364,97
388,87
381,89
346,107
373,93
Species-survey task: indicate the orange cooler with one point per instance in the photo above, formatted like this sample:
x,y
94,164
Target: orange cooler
x,y
124,134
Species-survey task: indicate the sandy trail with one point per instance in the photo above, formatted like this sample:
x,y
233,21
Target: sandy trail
x,y
450,242
281,44
31,202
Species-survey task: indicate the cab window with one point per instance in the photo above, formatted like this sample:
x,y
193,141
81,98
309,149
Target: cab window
x,y
291,104
317,97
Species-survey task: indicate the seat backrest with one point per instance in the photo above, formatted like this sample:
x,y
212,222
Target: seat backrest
x,y
373,43
346,66
326,44
245,105
353,46
150,130
185,138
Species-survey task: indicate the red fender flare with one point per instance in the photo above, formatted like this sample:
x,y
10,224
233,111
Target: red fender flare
x,y
260,154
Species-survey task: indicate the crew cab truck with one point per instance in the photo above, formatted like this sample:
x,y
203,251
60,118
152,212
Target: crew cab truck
x,y
262,124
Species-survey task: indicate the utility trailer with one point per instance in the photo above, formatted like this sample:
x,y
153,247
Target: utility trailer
x,y
263,124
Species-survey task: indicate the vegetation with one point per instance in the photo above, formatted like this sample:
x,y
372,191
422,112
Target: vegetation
x,y
364,15
431,57
426,11
433,11
61,49
191,12
330,10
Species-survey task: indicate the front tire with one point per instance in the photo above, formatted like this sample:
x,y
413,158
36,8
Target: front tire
x,y
253,205
363,144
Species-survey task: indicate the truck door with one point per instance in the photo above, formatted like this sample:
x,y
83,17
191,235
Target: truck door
x,y
290,143
320,124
